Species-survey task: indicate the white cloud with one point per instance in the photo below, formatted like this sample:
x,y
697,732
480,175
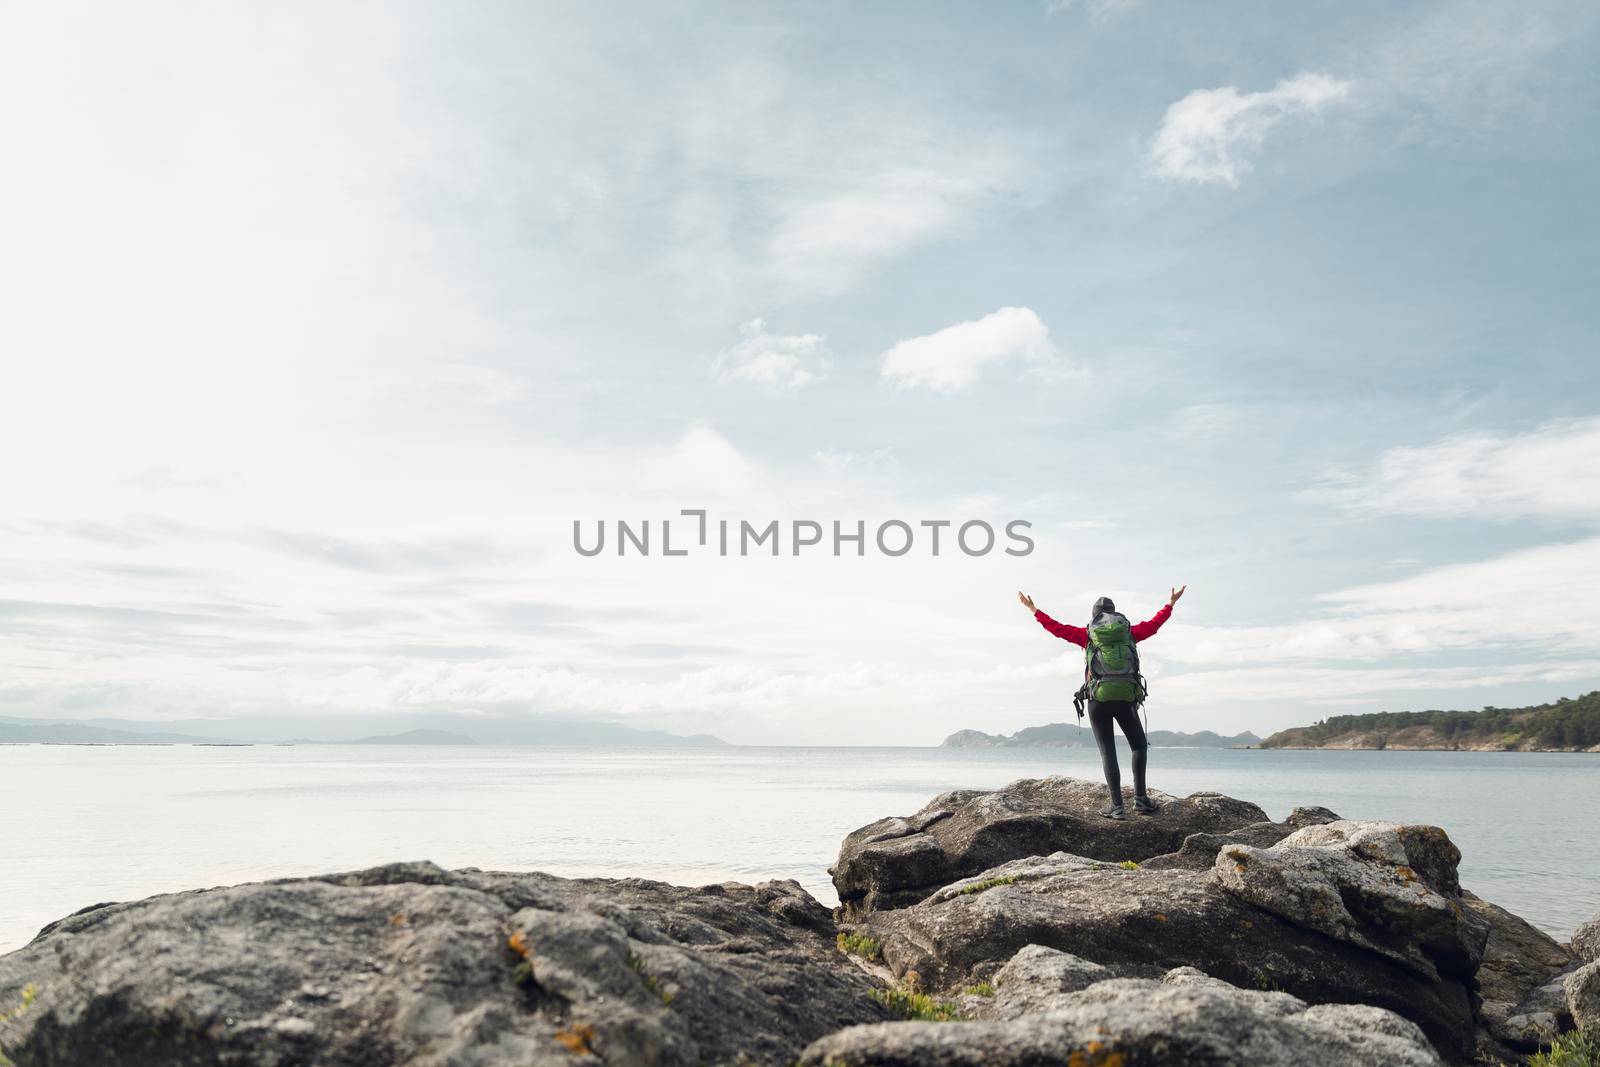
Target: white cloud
x,y
1199,421
1461,69
779,180
877,461
1467,65
1464,608
825,241
776,361
701,459
1517,620
950,360
1550,472
1479,602
1204,136
1100,11
1391,687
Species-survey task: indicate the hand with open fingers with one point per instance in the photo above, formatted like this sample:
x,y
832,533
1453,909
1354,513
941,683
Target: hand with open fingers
x,y
1176,593
1027,601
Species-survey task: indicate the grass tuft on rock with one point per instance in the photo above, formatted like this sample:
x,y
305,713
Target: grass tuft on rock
x,y
29,992
982,989
859,945
918,1006
1266,983
651,982
987,883
1129,865
522,973
1571,1049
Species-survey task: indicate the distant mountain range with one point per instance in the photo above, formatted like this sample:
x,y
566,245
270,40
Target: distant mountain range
x,y
433,729
1066,735
35,732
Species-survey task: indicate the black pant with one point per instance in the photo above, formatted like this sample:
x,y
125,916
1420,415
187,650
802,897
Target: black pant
x,y
1101,714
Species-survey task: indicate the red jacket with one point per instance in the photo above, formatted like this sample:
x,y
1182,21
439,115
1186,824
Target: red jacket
x,y
1079,636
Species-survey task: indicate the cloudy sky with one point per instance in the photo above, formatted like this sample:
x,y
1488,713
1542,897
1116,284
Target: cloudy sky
x,y
324,322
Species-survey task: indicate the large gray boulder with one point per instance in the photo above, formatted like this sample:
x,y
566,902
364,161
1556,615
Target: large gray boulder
x,y
1189,1020
1586,940
1384,887
1036,979
1582,987
1142,922
411,964
896,862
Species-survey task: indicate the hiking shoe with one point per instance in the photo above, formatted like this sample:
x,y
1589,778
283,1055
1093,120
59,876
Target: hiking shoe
x,y
1114,811
1145,806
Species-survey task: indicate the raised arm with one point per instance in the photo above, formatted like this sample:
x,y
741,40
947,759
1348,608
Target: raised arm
x,y
1148,628
1067,632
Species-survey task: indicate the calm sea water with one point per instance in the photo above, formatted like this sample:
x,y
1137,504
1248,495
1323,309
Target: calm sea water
x,y
79,825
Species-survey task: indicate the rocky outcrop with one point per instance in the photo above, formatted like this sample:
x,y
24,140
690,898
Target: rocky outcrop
x,y
1569,1001
1328,910
1199,851
1537,1020
1141,922
896,862
1517,961
1186,1018
411,964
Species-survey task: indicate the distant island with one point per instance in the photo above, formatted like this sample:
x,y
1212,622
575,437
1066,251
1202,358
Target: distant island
x,y
1568,725
1066,735
417,737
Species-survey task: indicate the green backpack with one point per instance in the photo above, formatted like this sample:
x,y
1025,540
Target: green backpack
x,y
1111,661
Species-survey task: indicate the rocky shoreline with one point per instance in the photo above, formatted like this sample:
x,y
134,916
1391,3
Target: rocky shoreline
x,y
1011,926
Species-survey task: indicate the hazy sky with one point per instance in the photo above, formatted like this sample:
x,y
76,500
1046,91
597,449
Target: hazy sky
x,y
323,322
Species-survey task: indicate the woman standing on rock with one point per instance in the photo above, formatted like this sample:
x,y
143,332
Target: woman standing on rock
x,y
1113,687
